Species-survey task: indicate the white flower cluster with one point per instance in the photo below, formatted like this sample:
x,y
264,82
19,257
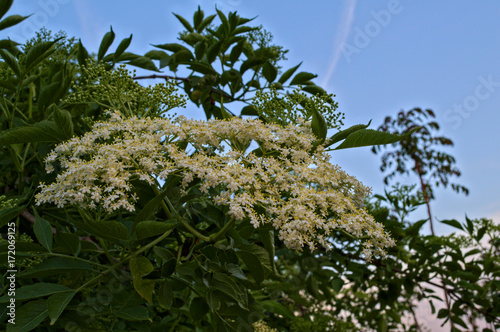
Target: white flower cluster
x,y
304,196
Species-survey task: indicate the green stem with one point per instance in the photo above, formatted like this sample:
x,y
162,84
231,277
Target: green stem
x,y
215,237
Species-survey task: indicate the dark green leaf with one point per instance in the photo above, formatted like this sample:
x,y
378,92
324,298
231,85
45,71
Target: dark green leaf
x,y
453,223
344,133
110,230
150,228
202,68
276,308
39,52
269,71
184,22
443,313
144,63
198,17
135,313
223,19
302,77
198,308
48,95
205,23
318,125
253,264
29,316
249,110
367,137
11,20
337,284
82,55
11,61
56,304
313,89
43,232
55,266
5,6
124,44
37,290
286,75
165,296
171,47
7,215
69,242
64,123
236,52
106,42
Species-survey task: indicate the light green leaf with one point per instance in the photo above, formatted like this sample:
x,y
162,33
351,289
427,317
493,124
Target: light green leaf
x,y
145,288
57,303
140,266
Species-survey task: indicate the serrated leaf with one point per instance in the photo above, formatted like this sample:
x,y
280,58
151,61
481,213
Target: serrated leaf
x,y
37,290
56,304
368,137
156,54
43,232
452,223
302,77
69,242
11,61
29,316
287,74
11,21
38,53
63,120
106,42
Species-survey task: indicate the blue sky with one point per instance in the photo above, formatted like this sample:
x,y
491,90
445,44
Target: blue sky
x,y
378,57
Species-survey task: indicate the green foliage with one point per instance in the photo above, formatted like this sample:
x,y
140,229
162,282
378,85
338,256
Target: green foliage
x,y
179,262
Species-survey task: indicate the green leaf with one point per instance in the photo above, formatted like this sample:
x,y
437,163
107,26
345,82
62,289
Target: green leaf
x,y
5,6
69,242
302,77
198,17
480,233
367,137
134,314
171,47
205,23
149,228
63,120
7,215
106,42
165,296
251,63
269,71
318,125
140,266
144,63
286,75
145,288
37,290
148,211
124,44
337,284
414,229
43,232
236,51
253,264
341,135
39,52
313,89
44,131
249,110
198,308
82,54
443,313
55,266
57,303
224,21
113,231
184,22
48,94
452,223
277,308
267,237
11,61
29,316
12,20
203,68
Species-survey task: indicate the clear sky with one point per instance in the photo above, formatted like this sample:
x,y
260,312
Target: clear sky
x,y
378,57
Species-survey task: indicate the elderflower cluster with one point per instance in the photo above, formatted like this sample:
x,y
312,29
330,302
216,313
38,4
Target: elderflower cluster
x,y
302,194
